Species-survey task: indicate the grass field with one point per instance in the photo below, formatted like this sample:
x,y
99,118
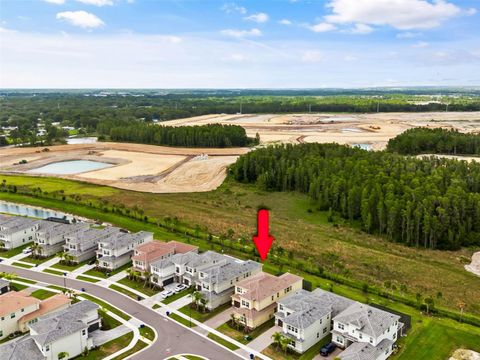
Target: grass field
x,y
26,266
86,278
223,342
34,260
181,320
240,336
138,346
177,296
68,267
108,348
12,252
108,322
123,291
147,333
203,316
138,285
42,294
107,306
54,272
103,275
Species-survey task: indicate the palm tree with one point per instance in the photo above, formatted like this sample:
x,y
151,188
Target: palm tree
x,y
277,338
129,273
146,276
36,249
197,296
284,342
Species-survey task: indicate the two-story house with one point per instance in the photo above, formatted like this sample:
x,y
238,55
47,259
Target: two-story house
x,y
255,298
217,283
306,317
187,270
362,329
18,309
65,331
83,245
115,251
50,236
148,253
164,271
16,231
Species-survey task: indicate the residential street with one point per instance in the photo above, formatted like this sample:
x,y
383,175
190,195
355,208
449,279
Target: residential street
x,y
172,338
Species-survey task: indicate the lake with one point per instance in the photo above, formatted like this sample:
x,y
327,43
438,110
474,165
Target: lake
x,y
70,167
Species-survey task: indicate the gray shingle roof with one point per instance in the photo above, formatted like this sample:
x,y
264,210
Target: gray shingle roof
x,y
367,319
21,349
365,351
55,326
16,223
308,307
121,239
230,270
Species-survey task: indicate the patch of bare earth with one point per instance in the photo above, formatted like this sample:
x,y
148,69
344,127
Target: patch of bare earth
x,y
474,266
463,354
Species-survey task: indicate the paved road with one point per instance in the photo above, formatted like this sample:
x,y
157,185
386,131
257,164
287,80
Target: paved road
x,y
172,338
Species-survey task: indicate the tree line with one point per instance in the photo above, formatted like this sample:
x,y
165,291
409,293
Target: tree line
x,y
212,135
432,203
435,141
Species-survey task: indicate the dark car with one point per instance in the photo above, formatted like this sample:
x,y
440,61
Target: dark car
x,y
328,349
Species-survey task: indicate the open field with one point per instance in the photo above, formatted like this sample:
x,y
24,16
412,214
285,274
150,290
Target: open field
x,y
370,129
136,167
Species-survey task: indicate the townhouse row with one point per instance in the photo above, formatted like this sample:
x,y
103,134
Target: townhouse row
x,y
54,326
112,246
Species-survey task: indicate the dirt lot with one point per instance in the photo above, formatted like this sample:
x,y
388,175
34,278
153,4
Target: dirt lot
x,y
136,167
371,130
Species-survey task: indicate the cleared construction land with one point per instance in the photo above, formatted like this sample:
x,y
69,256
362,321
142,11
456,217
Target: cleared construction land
x,y
137,167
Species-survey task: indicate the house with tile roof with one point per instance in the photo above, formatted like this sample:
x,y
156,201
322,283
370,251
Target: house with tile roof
x,y
150,252
255,298
306,317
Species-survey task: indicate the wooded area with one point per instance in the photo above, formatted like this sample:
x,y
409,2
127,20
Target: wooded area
x,y
435,141
433,203
213,135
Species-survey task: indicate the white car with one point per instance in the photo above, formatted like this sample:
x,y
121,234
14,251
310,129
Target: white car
x,y
27,250
180,287
167,293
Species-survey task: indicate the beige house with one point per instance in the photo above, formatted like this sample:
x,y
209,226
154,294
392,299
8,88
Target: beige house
x,y
255,298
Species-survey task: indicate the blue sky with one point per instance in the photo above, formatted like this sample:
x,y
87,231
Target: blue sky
x,y
241,44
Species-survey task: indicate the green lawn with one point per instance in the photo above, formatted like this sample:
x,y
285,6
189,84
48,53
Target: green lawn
x,y
193,357
68,267
107,306
239,335
156,306
54,272
37,260
86,278
203,316
17,287
181,320
138,346
147,333
108,348
59,288
102,274
123,291
108,322
12,252
273,352
177,296
223,342
42,294
139,286
22,265
28,281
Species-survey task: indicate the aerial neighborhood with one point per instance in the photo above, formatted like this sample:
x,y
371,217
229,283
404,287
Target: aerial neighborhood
x,y
254,299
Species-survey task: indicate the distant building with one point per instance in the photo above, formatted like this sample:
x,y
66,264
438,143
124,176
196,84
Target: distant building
x,y
117,250
255,298
50,236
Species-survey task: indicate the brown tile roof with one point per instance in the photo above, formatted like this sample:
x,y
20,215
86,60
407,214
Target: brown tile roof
x,y
155,249
13,301
263,285
47,306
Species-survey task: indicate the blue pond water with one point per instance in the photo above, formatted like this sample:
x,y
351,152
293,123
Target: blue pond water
x,y
70,167
30,211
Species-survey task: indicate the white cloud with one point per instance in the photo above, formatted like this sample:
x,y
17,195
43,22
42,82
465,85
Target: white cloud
x,y
171,38
97,2
400,14
232,7
322,27
420,44
258,18
241,33
312,56
81,18
285,22
235,58
471,11
350,58
56,2
361,29
408,35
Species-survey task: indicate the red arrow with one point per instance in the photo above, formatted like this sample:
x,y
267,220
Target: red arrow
x,y
263,241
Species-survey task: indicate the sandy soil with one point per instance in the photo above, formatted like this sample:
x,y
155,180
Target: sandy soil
x,y
463,354
136,167
372,129
474,266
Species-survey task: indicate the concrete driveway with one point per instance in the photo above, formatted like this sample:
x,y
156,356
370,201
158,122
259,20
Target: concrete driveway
x,y
101,337
329,357
172,338
264,340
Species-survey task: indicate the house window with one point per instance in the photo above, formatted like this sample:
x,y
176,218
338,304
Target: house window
x,y
22,310
12,315
324,330
340,326
318,335
371,340
321,320
339,340
360,336
245,304
47,348
84,332
394,336
280,307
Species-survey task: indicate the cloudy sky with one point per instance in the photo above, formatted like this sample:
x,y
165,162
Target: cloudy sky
x,y
241,44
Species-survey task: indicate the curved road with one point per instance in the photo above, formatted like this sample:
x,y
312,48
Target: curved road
x,y
172,338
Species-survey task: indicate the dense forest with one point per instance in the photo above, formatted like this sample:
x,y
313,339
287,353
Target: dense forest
x,y
432,203
213,135
435,141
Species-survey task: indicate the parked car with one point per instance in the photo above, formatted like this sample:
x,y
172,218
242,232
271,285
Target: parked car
x,y
328,349
166,293
180,287
27,250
